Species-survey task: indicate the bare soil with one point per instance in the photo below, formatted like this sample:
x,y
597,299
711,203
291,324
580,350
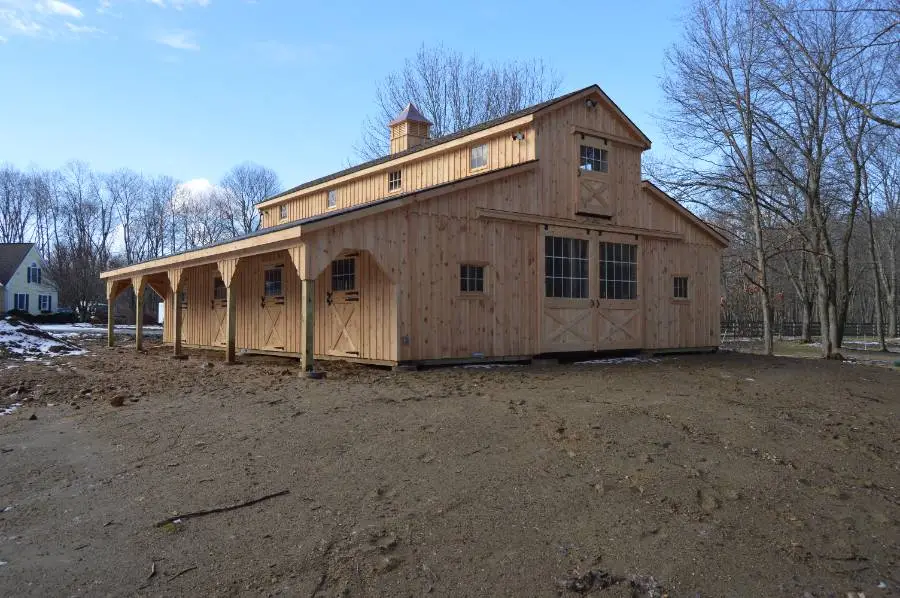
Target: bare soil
x,y
709,475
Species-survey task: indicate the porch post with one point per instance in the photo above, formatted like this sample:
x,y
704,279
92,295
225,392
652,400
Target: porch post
x,y
177,317
110,315
138,283
230,324
228,269
308,292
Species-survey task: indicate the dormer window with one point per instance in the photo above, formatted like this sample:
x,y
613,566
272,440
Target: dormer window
x,y
478,157
394,180
34,273
594,159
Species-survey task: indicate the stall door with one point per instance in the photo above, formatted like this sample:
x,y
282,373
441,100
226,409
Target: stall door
x,y
272,317
220,312
620,309
568,322
343,309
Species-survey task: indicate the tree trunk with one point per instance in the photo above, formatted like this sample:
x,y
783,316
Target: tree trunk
x,y
806,321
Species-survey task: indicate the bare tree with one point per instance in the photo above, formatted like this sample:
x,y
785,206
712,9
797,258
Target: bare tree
x,y
126,190
157,215
454,92
713,82
243,187
16,207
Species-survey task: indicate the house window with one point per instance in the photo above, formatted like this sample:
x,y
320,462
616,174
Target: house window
x,y
343,275
566,267
594,159
478,157
20,301
273,287
34,274
332,199
220,291
618,271
394,180
471,278
680,287
45,302
282,212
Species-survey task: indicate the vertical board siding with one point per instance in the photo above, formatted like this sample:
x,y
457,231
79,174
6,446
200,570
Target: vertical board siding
x,y
433,170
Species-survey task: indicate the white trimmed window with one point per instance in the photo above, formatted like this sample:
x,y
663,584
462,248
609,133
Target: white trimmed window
x,y
20,301
478,157
45,302
395,180
332,199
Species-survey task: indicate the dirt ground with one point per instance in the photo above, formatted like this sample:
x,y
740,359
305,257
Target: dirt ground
x,y
706,475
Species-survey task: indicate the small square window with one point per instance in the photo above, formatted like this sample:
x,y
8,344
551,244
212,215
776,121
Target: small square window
x,y
594,159
273,287
471,278
394,180
332,199
680,287
478,157
343,275
282,212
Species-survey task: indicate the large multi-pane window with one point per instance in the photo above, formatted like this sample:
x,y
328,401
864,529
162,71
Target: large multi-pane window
x,y
566,267
343,275
594,159
618,271
273,285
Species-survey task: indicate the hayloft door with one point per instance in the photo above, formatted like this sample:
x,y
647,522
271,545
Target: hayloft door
x,y
342,299
569,314
273,317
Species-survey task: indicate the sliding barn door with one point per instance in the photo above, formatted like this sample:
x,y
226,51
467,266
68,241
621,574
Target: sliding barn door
x,y
591,300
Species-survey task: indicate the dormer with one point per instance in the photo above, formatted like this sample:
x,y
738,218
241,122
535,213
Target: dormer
x,y
409,129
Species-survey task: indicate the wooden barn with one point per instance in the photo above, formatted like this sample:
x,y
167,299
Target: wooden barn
x,y
527,235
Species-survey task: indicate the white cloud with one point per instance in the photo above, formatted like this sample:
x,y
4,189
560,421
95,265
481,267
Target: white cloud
x,y
179,40
2,40
82,29
180,4
60,8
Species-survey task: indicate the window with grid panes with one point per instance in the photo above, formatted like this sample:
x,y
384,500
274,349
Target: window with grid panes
x,y
680,290
273,286
343,275
220,291
594,159
471,278
566,267
282,212
618,271
332,199
45,302
478,157
394,180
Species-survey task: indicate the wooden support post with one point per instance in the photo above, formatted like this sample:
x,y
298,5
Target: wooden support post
x,y
230,323
308,326
138,284
177,316
110,313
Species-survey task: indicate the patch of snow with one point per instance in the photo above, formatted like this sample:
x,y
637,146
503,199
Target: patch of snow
x,y
82,329
617,360
10,409
21,339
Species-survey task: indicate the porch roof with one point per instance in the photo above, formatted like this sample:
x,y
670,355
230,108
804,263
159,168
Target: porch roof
x,y
289,234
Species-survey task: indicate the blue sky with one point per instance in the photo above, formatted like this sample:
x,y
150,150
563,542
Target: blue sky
x,y
191,87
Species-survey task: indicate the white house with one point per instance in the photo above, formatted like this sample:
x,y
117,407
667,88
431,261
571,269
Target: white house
x,y
23,284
